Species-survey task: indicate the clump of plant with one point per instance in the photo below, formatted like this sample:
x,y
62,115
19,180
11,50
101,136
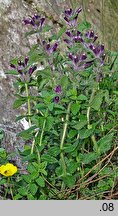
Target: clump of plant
x,y
72,134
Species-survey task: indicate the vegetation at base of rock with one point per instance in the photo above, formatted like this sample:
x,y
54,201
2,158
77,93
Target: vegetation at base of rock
x,y
71,139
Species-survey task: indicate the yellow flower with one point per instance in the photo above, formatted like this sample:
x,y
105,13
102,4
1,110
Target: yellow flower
x,y
8,169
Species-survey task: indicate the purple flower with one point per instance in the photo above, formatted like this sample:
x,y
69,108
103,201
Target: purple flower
x,y
69,33
58,89
68,12
92,47
77,58
50,49
21,64
56,99
98,51
83,57
75,36
88,64
36,17
13,66
69,42
71,16
91,35
36,21
79,61
78,39
42,20
27,21
79,10
32,69
21,68
26,60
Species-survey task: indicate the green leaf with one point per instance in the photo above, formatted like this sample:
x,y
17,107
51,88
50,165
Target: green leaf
x,y
31,168
34,57
72,167
70,181
72,93
84,25
61,32
54,151
106,95
115,92
29,157
27,134
22,191
34,175
40,106
88,158
105,143
40,168
64,81
3,181
85,133
72,133
19,102
30,197
80,124
48,158
33,188
82,97
27,178
50,106
70,147
14,61
40,181
31,33
17,197
43,197
112,53
46,28
75,107
49,122
3,153
97,101
12,72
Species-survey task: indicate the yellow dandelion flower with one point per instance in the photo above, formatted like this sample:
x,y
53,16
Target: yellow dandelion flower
x,y
8,170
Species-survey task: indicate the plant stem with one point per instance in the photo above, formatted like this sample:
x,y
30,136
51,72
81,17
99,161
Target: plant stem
x,y
28,103
63,139
6,192
29,113
88,120
43,129
11,191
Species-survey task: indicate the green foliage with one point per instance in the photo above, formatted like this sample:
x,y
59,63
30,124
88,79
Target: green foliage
x,y
97,100
105,143
71,142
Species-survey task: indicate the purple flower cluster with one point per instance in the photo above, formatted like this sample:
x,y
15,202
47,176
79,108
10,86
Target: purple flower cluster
x,y
36,21
71,16
48,48
58,90
88,41
98,50
74,36
79,62
21,69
